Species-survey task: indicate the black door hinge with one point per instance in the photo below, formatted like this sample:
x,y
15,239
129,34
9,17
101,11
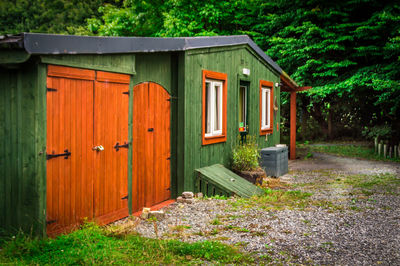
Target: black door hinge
x,y
51,221
66,154
126,92
117,146
150,129
51,89
169,158
126,197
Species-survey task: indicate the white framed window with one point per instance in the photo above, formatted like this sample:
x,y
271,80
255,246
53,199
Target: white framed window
x,y
265,108
213,108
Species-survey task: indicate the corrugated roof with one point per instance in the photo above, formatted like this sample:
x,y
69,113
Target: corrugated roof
x,y
37,43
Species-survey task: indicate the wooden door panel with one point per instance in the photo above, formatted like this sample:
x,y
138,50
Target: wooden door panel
x,y
111,165
139,141
69,189
150,145
161,143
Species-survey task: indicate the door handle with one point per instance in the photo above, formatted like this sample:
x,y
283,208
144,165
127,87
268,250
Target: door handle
x,y
98,148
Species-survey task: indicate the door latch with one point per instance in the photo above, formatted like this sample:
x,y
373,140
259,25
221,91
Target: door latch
x,y
117,146
65,154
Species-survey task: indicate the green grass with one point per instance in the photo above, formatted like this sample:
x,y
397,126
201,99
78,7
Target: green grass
x,y
356,151
371,184
95,245
275,200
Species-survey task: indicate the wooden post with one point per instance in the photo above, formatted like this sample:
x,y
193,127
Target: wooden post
x,y
395,151
292,125
380,148
384,150
390,151
376,144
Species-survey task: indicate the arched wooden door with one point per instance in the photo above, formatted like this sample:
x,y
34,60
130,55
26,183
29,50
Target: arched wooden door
x,y
150,145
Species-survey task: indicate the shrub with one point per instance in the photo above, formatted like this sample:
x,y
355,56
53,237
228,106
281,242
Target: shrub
x,y
245,156
382,132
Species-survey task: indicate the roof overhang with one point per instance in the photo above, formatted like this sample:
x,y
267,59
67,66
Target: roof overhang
x,y
37,43
289,85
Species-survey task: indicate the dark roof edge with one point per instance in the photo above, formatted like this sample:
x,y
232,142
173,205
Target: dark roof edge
x,y
217,41
38,43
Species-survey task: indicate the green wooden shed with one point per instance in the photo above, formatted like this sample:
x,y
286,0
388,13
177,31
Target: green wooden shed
x,y
100,127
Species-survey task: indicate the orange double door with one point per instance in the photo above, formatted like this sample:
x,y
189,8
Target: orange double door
x,y
87,151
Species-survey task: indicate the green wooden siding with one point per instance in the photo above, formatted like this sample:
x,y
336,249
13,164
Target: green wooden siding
x,y
155,67
22,152
120,63
229,60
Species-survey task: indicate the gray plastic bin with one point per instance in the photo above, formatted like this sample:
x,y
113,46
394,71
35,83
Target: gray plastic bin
x,y
274,161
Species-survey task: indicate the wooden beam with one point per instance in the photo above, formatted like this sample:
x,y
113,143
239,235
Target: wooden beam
x,y
303,88
288,82
293,125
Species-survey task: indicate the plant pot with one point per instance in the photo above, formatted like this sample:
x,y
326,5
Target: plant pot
x,y
255,176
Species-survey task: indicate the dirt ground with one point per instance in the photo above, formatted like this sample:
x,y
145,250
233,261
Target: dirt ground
x,y
322,161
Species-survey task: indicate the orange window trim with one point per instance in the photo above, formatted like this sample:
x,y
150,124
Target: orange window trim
x,y
264,83
207,74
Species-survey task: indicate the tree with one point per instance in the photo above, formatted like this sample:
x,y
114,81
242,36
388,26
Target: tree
x,y
47,16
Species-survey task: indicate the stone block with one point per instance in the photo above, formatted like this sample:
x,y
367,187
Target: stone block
x,y
187,195
159,215
180,200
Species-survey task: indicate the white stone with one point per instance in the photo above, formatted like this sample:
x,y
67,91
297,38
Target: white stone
x,y
159,215
187,195
180,200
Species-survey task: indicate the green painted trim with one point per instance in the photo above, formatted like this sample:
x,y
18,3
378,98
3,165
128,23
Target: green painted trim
x,y
40,147
215,49
13,57
180,143
119,63
130,139
173,126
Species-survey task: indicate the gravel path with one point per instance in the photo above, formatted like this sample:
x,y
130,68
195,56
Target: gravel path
x,y
346,227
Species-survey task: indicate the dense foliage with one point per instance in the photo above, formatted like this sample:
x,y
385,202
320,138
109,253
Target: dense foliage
x,y
349,51
50,16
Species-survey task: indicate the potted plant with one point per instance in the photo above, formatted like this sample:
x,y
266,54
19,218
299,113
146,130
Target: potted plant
x,y
245,158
